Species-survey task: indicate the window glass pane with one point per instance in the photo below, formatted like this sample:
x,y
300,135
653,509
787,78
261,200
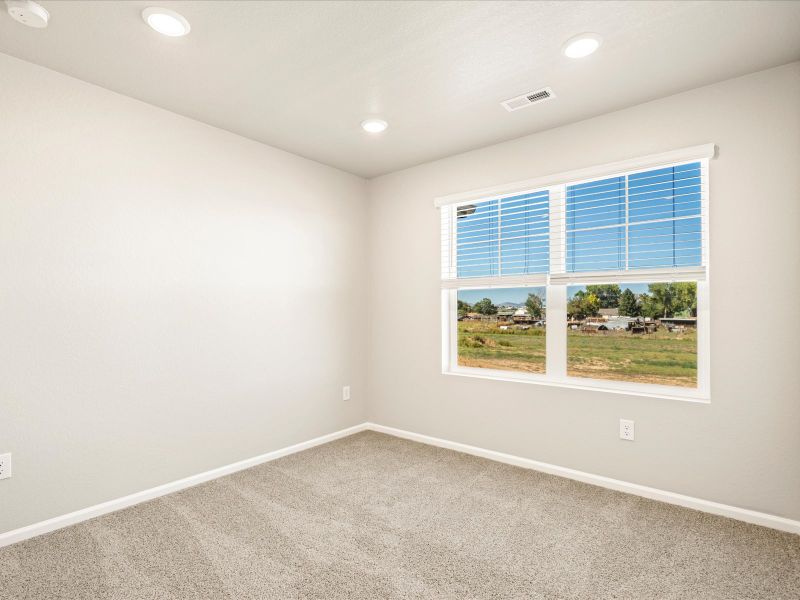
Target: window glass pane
x,y
664,193
596,203
502,328
665,244
664,215
638,332
476,239
596,249
525,234
595,214
509,236
644,220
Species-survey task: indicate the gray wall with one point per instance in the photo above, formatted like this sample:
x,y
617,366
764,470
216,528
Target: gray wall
x,y
742,449
173,297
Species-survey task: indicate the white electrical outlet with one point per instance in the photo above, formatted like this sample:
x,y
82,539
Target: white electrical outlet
x,y
626,429
5,466
346,393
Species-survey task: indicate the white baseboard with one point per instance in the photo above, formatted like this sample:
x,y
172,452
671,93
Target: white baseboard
x,y
84,514
715,508
733,512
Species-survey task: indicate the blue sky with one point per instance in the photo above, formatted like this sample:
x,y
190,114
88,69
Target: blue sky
x,y
519,295
500,295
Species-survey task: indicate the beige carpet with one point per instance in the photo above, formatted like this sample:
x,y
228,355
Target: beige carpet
x,y
373,516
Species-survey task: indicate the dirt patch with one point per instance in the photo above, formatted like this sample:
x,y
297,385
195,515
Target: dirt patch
x,y
595,370
601,372
502,364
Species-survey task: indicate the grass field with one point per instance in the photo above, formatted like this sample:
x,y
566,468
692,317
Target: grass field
x,y
662,357
485,345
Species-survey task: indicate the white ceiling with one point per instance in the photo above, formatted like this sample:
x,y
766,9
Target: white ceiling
x,y
302,75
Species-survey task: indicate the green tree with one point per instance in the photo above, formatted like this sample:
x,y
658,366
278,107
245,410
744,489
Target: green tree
x,y
664,297
648,306
628,304
535,306
671,299
591,305
463,308
583,305
575,305
608,294
485,307
686,298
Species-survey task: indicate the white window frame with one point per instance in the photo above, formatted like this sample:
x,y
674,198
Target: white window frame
x,y
558,280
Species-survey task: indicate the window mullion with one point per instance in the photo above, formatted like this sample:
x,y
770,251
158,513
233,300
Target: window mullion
x,y
627,223
500,237
556,309
556,334
558,238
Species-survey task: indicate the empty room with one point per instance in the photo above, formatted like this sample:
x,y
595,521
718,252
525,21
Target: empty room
x,y
399,299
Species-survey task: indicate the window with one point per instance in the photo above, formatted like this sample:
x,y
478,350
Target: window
x,y
594,278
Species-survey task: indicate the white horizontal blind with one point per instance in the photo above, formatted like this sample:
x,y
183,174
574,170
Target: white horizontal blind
x,y
617,227
627,224
499,238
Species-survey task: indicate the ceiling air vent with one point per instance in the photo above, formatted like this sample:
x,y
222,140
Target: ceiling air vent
x,y
528,99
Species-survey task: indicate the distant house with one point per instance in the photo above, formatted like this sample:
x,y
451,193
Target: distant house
x,y
521,315
609,313
506,314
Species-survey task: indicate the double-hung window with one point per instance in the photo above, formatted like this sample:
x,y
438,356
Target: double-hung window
x,y
594,278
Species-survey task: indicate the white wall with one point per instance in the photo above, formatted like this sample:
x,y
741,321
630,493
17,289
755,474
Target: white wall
x,y
744,448
173,297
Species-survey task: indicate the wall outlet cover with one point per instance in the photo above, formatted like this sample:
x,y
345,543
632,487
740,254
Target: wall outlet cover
x,y
346,393
626,429
5,466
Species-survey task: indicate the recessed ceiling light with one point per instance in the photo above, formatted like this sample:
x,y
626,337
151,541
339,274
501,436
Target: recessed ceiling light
x,y
28,13
166,21
374,125
582,45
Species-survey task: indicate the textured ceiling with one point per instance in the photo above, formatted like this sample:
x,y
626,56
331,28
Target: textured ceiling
x,y
302,75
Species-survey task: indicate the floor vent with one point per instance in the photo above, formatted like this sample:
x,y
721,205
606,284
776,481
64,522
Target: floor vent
x,y
528,99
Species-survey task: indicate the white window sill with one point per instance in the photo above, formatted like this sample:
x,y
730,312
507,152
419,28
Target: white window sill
x,y
664,392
